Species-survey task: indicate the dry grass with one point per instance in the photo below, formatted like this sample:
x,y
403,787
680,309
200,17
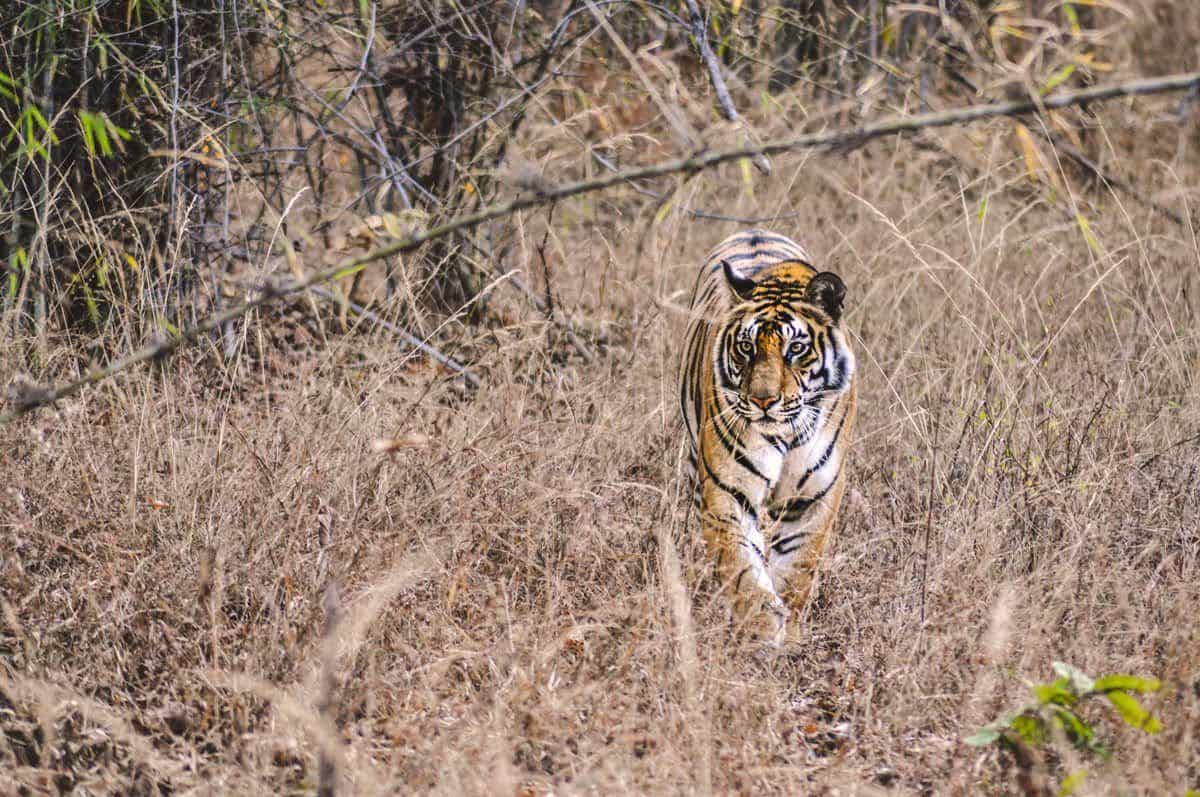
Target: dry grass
x,y
523,604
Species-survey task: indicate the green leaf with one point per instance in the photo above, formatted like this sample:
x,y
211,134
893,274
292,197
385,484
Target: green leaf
x,y
116,129
101,134
18,263
1072,18
36,116
346,272
89,137
1079,681
992,731
1132,712
1072,782
1057,78
1128,683
1056,692
1088,236
8,87
171,329
1030,727
1077,730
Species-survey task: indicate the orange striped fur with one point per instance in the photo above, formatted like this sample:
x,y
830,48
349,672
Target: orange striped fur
x,y
768,396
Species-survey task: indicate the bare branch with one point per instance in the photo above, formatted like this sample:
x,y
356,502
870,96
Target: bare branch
x,y
32,399
687,135
700,33
408,338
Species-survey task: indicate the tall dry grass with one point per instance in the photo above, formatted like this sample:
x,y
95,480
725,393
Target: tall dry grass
x,y
213,582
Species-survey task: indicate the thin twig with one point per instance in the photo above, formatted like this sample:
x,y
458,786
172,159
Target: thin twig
x,y
1111,180
683,130
407,337
696,214
26,401
1157,455
700,33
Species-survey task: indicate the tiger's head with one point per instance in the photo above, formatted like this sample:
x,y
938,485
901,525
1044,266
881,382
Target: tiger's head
x,y
781,350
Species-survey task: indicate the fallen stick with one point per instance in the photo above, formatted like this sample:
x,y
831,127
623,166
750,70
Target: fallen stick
x,y
29,397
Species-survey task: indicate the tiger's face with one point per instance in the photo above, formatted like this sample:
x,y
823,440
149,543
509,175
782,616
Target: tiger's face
x,y
781,350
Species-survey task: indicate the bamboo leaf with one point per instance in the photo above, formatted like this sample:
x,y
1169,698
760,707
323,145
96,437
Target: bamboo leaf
x,y
348,271
8,87
747,177
1030,727
1028,150
1072,19
1078,731
85,128
1092,243
1057,78
982,737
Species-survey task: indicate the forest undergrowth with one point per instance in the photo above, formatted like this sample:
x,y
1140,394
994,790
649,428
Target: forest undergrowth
x,y
303,555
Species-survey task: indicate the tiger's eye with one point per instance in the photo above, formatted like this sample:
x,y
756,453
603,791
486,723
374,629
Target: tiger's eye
x,y
744,348
798,348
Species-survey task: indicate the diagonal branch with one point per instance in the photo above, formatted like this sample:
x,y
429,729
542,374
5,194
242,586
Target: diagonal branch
x,y
29,398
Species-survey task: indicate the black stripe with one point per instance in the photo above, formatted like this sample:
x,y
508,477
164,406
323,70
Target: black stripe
x,y
763,235
744,540
737,495
778,443
758,238
839,366
727,376
757,254
778,544
794,509
828,449
732,446
819,344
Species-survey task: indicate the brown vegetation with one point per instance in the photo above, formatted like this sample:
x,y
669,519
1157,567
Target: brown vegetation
x,y
302,554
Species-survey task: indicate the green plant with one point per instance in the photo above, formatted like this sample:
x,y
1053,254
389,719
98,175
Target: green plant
x,y
1054,713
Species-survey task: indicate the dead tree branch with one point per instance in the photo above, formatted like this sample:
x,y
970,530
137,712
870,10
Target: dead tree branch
x,y
30,397
700,33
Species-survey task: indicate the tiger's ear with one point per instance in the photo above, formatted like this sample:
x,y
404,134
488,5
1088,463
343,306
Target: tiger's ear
x,y
742,286
826,290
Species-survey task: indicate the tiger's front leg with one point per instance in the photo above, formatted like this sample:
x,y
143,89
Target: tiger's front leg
x,y
734,541
798,544
804,503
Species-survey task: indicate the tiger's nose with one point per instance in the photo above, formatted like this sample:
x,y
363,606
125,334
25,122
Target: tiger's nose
x,y
764,402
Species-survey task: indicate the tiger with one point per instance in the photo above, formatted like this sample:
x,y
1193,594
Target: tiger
x,y
768,395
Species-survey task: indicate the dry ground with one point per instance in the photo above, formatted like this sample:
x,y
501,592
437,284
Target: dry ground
x,y
521,603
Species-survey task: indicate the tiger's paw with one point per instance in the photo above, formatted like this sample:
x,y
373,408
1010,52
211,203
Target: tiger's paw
x,y
763,622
